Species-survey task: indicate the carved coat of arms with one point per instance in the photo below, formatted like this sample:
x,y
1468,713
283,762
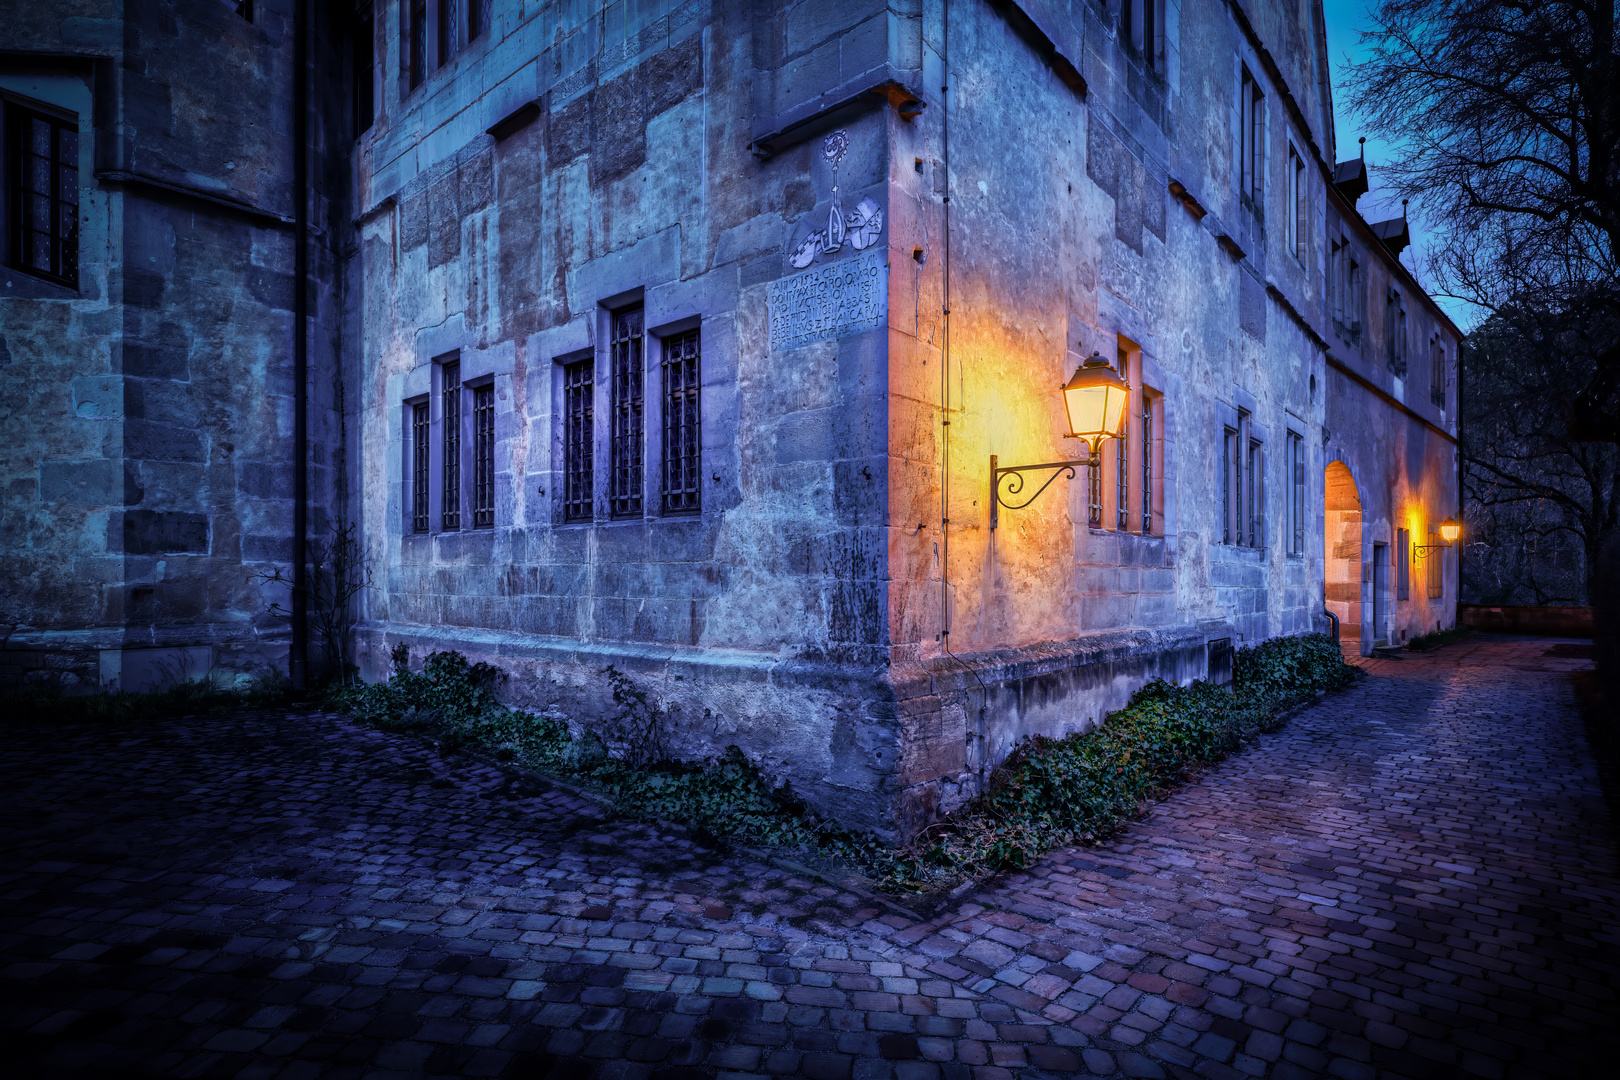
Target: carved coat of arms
x,y
859,226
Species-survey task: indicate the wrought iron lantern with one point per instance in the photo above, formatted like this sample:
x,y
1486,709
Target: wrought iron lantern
x,y
1094,400
1449,530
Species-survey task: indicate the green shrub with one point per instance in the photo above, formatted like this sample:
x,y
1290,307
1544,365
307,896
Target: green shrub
x,y
1051,792
1048,791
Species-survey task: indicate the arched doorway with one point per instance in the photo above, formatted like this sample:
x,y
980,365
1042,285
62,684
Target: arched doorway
x,y
1342,566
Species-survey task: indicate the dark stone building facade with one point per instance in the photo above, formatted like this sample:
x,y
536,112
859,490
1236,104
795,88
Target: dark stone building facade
x,y
679,338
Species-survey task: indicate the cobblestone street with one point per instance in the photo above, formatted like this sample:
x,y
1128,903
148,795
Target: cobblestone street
x,y
1415,878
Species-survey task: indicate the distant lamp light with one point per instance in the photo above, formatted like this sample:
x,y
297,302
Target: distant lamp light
x,y
1095,400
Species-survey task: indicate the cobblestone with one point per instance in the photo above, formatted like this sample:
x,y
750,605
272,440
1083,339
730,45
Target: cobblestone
x,y
1414,878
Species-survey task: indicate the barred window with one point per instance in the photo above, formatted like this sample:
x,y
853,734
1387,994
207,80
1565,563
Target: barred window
x,y
579,440
450,515
628,420
1403,564
419,467
43,210
683,436
1147,464
1094,492
484,457
418,40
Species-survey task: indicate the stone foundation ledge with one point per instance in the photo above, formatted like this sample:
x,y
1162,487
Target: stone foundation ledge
x,y
825,724
962,714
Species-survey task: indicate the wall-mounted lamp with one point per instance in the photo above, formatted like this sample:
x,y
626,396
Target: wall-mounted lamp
x,y
1450,529
1094,400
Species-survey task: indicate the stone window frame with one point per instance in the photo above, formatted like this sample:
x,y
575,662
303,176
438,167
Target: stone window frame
x,y
17,111
656,417
474,370
1436,564
1297,208
1141,29
1437,372
433,33
452,443
482,451
363,71
1252,113
1403,565
624,378
575,370
1245,522
1140,472
1396,329
1296,461
418,464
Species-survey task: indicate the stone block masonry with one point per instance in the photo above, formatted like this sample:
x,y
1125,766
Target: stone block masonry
x,y
678,337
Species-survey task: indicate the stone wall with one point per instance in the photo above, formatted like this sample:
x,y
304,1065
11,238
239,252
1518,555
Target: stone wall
x,y
148,461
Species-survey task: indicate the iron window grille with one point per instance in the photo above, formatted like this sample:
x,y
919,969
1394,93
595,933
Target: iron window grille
x,y
44,210
450,514
579,440
483,457
1147,465
477,18
418,39
420,426
683,437
1094,493
1122,478
624,499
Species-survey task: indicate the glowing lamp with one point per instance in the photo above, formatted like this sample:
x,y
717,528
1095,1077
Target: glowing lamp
x,y
1095,399
1450,529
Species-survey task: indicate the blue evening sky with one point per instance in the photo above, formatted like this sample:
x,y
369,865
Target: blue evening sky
x,y
1345,19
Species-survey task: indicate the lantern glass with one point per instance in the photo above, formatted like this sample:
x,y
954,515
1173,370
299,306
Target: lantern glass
x,y
1450,529
1095,399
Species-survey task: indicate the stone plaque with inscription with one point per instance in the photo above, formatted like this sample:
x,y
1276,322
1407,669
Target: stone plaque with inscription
x,y
830,301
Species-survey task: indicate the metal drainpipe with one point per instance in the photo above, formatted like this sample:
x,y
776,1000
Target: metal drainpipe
x,y
298,658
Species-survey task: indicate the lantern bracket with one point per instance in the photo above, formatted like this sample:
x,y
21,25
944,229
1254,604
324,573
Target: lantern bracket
x,y
1421,551
1014,475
